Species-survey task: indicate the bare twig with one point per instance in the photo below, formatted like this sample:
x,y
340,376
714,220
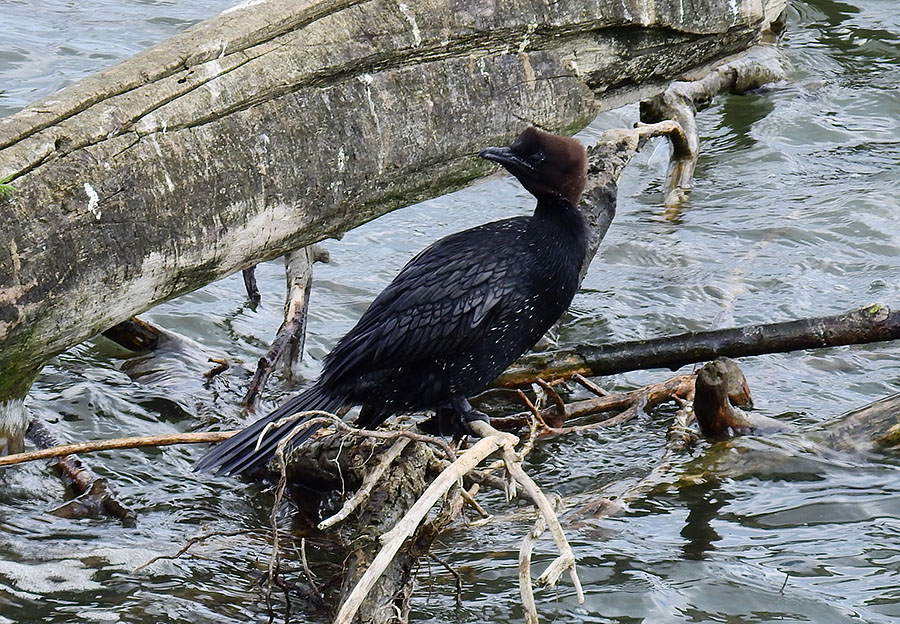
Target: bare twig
x,y
533,429
679,439
559,416
197,539
456,577
590,385
469,498
525,587
275,556
326,418
221,365
639,406
197,437
484,477
680,386
532,408
566,559
97,498
310,577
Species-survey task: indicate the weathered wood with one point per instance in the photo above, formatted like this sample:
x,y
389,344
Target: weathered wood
x,y
287,346
249,275
626,403
335,464
681,101
875,323
281,123
194,437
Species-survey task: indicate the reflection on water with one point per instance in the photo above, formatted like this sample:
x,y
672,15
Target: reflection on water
x,y
794,213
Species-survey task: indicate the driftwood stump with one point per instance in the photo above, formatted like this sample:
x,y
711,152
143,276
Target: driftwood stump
x,y
336,463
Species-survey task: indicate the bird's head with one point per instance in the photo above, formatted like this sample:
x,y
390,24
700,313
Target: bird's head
x,y
545,164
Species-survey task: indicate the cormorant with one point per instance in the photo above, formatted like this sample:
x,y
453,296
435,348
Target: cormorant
x,y
455,316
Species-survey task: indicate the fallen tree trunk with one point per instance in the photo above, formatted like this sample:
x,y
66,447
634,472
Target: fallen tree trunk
x,y
280,123
873,323
337,464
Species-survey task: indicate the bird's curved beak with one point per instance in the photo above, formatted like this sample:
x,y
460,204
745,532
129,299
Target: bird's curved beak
x,y
502,155
505,156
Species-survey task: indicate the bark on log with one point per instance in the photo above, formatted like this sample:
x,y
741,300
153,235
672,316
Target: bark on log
x,y
334,464
280,123
873,323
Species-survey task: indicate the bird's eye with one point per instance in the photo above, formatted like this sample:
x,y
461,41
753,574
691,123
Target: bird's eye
x,y
535,158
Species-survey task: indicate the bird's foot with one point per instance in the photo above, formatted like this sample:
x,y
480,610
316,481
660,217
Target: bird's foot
x,y
453,419
445,422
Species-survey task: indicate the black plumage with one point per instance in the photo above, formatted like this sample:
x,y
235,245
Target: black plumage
x,y
455,316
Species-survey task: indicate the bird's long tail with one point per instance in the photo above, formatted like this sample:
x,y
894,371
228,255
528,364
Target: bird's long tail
x,y
240,455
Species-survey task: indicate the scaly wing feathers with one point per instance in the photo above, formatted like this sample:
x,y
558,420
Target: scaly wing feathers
x,y
439,304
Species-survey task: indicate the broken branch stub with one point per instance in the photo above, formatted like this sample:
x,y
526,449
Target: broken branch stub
x,y
287,346
93,494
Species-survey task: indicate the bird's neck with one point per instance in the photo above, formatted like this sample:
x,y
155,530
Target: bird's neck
x,y
556,210
559,234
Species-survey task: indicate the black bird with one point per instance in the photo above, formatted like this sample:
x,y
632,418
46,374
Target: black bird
x,y
455,316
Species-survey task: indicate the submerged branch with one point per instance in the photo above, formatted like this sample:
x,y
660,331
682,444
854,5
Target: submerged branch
x,y
250,285
94,495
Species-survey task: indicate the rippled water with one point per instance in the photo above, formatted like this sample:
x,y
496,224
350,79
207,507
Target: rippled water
x,y
794,213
